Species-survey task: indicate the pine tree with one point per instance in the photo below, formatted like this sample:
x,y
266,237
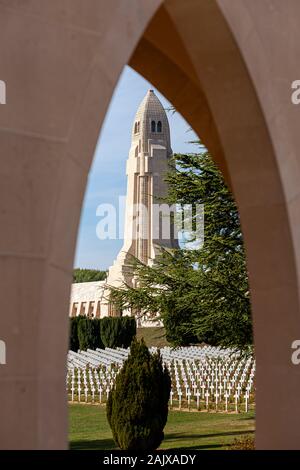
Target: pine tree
x,y
137,406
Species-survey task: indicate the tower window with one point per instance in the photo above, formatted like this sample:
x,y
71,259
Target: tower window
x,y
136,127
153,126
159,126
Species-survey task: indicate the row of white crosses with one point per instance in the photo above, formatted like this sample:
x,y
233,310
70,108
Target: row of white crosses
x,y
206,377
93,384
214,381
92,373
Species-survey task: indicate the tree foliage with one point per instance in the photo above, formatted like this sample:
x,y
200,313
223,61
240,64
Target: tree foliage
x,y
88,275
202,294
74,341
91,333
137,406
118,331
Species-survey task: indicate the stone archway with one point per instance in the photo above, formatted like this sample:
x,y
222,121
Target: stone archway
x,y
215,61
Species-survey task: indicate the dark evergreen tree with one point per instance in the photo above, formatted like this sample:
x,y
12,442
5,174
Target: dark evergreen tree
x,y
111,332
128,331
74,341
97,333
117,331
89,333
137,406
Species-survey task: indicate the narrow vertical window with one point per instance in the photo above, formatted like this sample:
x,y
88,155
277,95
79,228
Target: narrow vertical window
x,y
153,126
159,126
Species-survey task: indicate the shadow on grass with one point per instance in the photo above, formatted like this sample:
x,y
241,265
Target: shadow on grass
x,y
108,444
248,418
99,444
200,436
197,447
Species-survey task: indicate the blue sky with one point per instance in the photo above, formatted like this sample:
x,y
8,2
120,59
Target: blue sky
x,y
107,178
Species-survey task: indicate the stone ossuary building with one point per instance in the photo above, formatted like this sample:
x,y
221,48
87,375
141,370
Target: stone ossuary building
x,y
148,223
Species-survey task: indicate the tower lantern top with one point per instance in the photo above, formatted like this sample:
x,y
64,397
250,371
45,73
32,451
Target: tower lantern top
x,y
151,122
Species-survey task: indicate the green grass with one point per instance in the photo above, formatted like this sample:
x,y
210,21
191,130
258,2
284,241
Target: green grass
x,y
153,336
88,429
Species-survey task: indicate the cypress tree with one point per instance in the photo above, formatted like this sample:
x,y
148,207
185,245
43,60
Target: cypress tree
x,y
128,331
137,406
74,342
110,331
117,331
89,333
83,334
97,342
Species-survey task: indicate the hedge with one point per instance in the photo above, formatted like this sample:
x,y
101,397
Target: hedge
x,y
117,331
112,332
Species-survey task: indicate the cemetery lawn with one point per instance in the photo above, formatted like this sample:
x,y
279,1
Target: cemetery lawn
x,y
88,429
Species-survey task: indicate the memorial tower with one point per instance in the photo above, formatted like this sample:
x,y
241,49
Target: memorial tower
x,y
149,224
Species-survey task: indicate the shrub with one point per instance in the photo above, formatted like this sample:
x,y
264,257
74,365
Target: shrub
x,y
89,333
243,443
97,333
111,332
117,331
128,330
74,341
137,406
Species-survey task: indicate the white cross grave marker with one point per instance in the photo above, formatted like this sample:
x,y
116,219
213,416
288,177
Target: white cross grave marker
x,y
198,399
226,395
236,397
207,397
